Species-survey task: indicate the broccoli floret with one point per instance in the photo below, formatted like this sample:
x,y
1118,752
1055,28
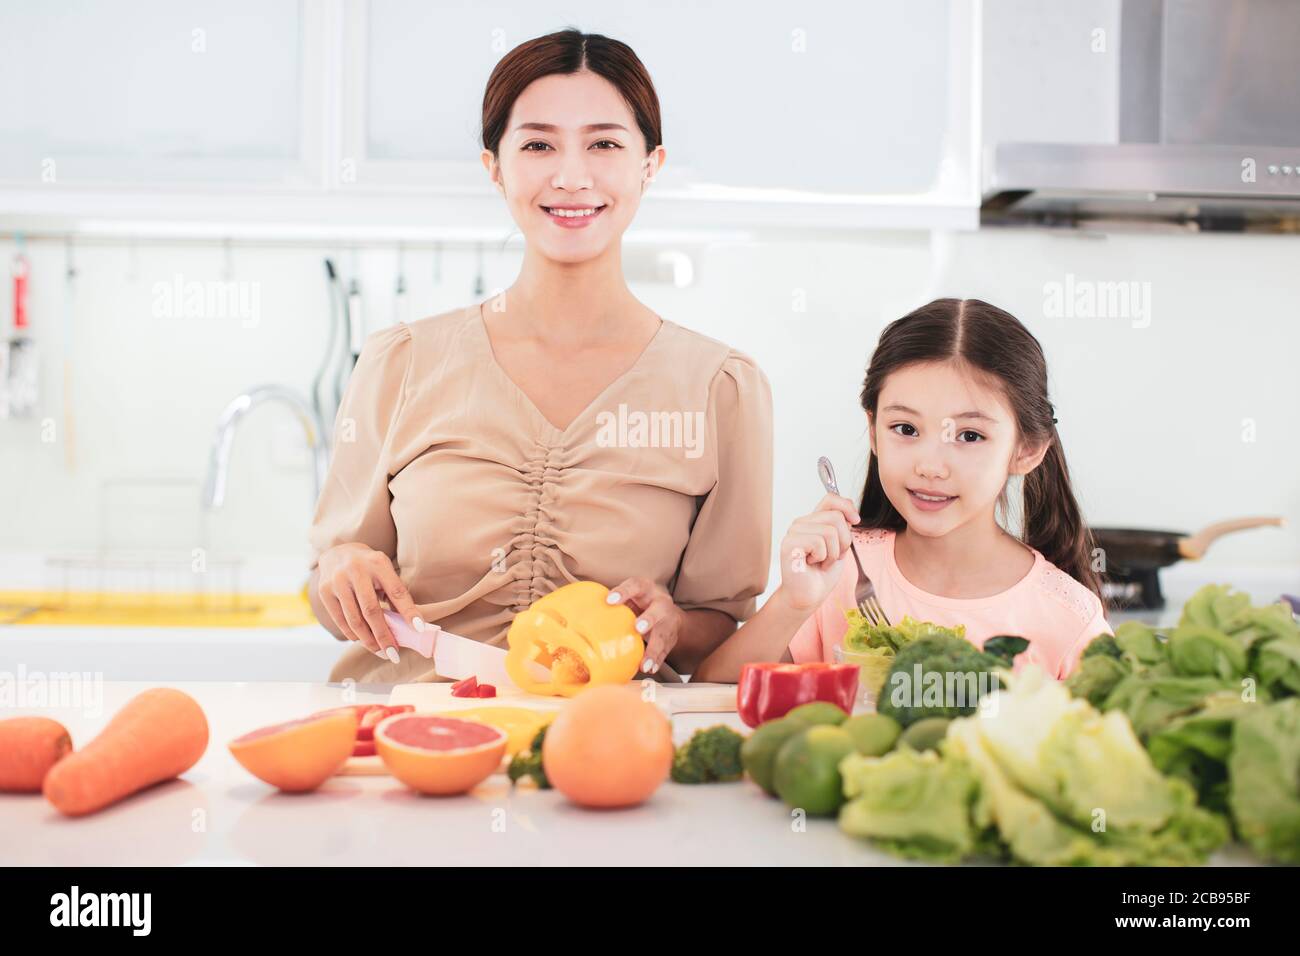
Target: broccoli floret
x,y
711,755
1103,645
949,683
528,763
1096,677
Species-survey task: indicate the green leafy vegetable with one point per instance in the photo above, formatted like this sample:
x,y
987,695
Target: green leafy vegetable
x,y
1096,677
1005,647
1264,769
1196,747
1215,701
1196,650
1065,785
862,635
1103,645
913,804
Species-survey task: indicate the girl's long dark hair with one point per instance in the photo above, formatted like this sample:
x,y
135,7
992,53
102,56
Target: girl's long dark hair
x,y
993,342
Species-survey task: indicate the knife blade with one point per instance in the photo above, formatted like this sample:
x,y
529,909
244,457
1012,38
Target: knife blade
x,y
453,656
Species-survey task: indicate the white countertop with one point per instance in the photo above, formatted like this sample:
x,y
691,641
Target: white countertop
x,y
219,814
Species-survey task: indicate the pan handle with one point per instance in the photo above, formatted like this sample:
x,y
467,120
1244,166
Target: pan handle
x,y
1194,546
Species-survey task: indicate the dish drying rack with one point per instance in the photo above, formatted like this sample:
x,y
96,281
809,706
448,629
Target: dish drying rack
x,y
152,557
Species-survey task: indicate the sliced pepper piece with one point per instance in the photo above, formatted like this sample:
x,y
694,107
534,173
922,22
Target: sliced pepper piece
x,y
486,690
465,688
767,691
582,640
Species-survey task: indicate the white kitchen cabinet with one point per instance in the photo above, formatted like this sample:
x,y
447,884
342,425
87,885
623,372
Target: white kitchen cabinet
x,y
776,115
810,114
160,92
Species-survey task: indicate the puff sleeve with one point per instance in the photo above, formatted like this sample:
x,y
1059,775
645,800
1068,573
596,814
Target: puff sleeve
x,y
354,503
725,564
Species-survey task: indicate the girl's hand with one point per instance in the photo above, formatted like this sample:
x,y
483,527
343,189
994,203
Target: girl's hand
x,y
353,577
811,550
659,620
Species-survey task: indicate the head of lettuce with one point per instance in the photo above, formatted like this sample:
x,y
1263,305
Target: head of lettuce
x,y
1036,775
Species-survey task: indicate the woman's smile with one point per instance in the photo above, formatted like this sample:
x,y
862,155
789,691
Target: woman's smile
x,y
572,217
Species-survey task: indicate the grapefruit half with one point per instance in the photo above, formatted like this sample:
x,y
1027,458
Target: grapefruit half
x,y
439,755
301,754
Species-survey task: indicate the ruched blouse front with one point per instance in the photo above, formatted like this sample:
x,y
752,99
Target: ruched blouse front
x,y
441,462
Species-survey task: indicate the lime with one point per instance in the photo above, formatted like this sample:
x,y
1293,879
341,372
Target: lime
x,y
925,734
873,734
807,773
817,712
758,752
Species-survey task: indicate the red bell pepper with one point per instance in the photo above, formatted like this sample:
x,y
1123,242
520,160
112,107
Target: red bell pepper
x,y
768,691
465,688
371,718
486,690
368,717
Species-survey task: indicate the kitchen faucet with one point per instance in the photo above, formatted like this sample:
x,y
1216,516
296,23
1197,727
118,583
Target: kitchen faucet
x,y
214,487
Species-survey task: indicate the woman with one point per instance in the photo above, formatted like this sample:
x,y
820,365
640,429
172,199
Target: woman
x,y
486,456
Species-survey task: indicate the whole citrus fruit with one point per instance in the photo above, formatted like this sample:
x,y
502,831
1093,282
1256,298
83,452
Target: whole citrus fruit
x,y
807,769
608,748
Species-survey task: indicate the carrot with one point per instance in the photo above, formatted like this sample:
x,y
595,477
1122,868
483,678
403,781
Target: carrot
x,y
29,747
157,735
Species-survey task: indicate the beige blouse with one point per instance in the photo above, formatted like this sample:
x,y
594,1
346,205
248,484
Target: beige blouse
x,y
441,462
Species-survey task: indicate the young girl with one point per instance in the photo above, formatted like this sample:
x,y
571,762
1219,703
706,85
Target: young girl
x,y
956,403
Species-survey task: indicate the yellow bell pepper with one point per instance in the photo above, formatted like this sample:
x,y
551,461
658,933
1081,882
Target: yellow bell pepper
x,y
580,638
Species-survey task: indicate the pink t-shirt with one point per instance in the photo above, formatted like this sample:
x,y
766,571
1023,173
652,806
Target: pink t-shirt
x,y
1047,607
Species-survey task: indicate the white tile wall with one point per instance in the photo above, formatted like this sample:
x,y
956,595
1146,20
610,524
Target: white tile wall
x,y
1153,417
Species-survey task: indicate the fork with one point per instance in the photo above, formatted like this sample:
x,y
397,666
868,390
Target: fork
x,y
865,592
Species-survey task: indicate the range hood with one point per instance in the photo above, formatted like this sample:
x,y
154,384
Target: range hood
x,y
1208,137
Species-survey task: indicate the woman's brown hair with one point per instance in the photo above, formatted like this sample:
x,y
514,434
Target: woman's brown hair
x,y
994,343
570,51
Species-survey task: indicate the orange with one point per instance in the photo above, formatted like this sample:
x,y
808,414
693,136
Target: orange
x,y
439,755
608,748
300,754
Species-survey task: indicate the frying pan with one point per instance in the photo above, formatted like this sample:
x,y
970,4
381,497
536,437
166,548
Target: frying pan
x,y
1134,556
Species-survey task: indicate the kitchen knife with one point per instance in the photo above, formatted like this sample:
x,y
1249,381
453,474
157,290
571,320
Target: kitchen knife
x,y
453,656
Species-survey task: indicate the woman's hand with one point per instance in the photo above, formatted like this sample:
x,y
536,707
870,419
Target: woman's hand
x,y
353,577
659,620
811,550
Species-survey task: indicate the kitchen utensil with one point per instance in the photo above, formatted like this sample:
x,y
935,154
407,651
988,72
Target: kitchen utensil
x,y
356,323
69,394
459,657
453,656
400,311
1135,556
327,407
18,360
864,593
